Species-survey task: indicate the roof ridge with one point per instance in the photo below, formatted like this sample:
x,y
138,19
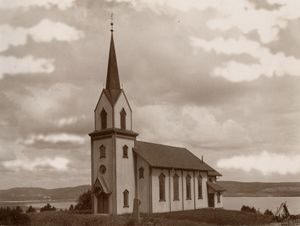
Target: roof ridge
x,y
166,145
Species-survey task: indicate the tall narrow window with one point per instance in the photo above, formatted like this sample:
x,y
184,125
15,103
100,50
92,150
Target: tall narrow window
x,y
176,187
102,151
188,188
123,118
126,198
200,187
141,172
162,179
125,151
103,115
219,197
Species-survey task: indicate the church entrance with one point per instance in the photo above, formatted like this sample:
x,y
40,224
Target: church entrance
x,y
102,201
211,200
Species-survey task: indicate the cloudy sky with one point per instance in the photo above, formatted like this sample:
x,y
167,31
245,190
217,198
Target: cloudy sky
x,y
218,77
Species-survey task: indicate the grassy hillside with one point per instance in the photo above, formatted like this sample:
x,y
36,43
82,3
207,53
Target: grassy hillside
x,y
202,217
30,193
234,188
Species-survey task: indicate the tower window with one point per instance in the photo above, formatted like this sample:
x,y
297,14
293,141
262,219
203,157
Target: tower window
x,y
123,118
125,151
102,151
141,172
162,192
176,187
126,198
200,187
102,169
188,187
103,115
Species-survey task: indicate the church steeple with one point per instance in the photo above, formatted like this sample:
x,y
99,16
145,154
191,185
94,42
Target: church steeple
x,y
112,79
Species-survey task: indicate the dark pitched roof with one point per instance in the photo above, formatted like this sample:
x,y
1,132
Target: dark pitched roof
x,y
215,187
101,186
214,173
158,155
112,79
112,95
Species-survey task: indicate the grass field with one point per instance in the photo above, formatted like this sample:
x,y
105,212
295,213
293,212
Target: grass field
x,y
202,217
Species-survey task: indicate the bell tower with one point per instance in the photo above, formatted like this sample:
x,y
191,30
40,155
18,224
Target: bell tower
x,y
112,142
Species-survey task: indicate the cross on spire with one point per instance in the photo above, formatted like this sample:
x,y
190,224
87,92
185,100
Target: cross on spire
x,y
112,79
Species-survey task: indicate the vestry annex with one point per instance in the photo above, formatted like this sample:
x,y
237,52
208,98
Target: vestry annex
x,y
130,175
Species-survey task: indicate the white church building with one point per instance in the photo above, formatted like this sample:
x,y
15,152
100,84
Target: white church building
x,y
127,174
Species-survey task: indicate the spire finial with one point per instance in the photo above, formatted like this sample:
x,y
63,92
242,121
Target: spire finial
x,y
112,22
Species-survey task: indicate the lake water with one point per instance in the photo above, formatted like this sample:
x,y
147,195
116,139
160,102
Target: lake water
x,y
233,203
38,204
263,203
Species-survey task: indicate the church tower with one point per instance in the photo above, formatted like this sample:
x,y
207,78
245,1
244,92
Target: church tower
x,y
112,143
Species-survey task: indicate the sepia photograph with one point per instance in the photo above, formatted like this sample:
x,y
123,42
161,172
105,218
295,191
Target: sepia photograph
x,y
149,112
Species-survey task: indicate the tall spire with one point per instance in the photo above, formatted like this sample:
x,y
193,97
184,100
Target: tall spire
x,y
112,79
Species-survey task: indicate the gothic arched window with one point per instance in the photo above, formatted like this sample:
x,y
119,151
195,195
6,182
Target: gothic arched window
x,y
103,116
123,118
141,172
188,188
162,196
126,198
102,151
125,151
176,187
219,197
200,196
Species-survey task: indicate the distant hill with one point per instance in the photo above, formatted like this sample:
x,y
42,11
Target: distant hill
x,y
33,193
234,188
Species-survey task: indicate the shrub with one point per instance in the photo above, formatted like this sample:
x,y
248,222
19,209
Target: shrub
x,y
269,213
84,201
48,207
248,209
14,216
30,210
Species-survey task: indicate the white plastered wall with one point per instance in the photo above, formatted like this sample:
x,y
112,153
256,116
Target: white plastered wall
x,y
122,103
107,162
201,203
103,103
124,175
143,185
157,205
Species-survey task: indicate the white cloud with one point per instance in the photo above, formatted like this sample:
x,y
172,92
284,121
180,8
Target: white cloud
x,y
269,64
55,139
240,14
23,163
265,162
27,65
45,31
190,125
69,120
46,101
26,4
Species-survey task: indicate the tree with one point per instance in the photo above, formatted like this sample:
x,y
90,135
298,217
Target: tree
x,y
48,207
248,209
30,210
84,201
71,208
269,213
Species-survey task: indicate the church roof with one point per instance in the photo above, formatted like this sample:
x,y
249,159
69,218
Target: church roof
x,y
214,187
112,95
164,156
112,79
214,173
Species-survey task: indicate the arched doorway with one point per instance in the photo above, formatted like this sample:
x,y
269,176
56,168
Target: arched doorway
x,y
102,203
